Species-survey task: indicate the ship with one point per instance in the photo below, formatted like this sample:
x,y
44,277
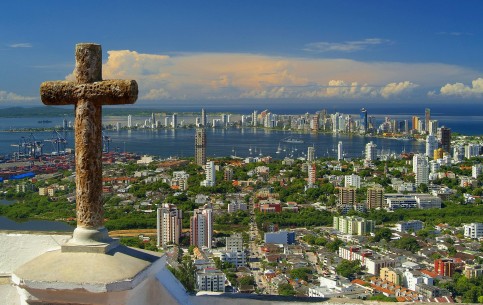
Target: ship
x,y
293,140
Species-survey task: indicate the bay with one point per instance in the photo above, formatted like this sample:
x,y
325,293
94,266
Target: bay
x,y
34,225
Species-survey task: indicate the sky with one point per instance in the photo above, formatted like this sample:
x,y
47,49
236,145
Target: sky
x,y
268,53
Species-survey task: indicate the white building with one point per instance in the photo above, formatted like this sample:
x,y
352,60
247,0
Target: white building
x,y
210,172
210,279
352,181
168,225
371,151
472,150
476,170
310,154
473,230
340,152
371,260
201,228
174,120
129,121
412,277
235,206
411,225
421,169
237,258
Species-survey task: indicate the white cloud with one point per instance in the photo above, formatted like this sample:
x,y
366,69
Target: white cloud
x,y
13,97
460,89
455,33
234,75
393,89
347,46
21,45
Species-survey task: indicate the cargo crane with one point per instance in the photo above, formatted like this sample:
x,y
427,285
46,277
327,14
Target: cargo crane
x,y
29,147
58,143
35,146
21,148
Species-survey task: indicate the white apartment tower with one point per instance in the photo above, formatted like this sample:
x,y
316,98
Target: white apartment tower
x,y
210,172
201,228
370,151
129,121
352,181
168,225
174,120
311,154
421,169
254,118
340,152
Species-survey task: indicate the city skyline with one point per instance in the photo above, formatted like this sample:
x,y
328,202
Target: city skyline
x,y
269,54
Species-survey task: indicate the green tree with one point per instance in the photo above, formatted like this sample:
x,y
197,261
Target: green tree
x,y
348,268
286,289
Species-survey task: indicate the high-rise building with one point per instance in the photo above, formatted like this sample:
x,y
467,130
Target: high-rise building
x,y
371,152
431,145
201,228
129,121
255,118
228,173
416,122
168,225
153,119
311,154
427,118
352,181
340,152
476,170
210,172
65,124
174,120
200,146
312,175
167,121
347,195
364,120
375,198
433,127
421,169
224,119
204,120
472,150
444,137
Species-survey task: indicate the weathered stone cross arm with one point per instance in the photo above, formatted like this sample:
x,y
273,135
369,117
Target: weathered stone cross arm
x,y
106,92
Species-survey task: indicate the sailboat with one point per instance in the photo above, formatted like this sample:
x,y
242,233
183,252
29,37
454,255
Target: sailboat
x,y
279,149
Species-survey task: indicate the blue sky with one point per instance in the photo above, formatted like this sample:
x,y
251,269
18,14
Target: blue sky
x,y
267,52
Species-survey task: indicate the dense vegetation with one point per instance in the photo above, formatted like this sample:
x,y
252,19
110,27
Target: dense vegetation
x,y
307,217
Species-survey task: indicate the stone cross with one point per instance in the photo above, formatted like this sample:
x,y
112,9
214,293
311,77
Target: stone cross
x,y
88,93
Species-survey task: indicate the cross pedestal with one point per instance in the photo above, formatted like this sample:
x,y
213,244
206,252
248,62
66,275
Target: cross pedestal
x,y
91,268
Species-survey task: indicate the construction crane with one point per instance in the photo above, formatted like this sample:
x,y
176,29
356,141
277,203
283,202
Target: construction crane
x,y
58,143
